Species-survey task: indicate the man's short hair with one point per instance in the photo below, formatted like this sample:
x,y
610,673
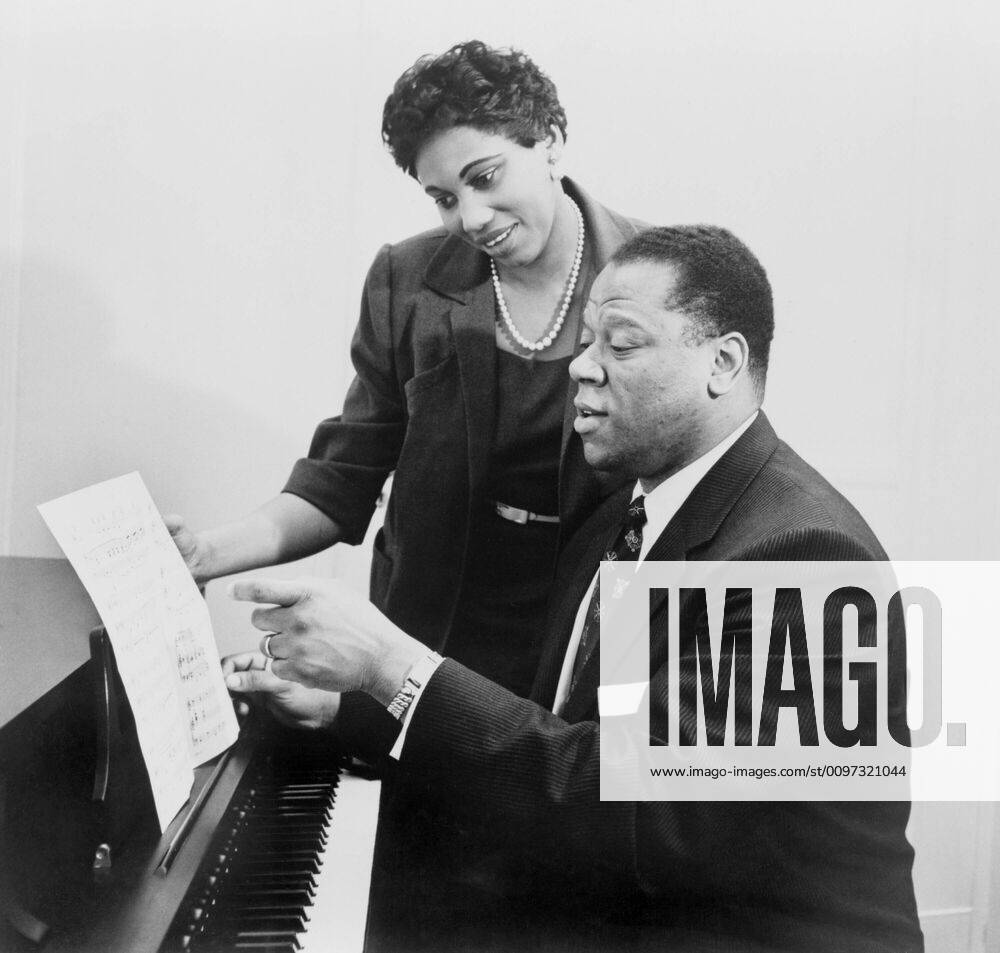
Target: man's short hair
x,y
720,285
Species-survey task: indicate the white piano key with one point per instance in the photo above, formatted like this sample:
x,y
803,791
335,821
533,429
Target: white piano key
x,y
339,913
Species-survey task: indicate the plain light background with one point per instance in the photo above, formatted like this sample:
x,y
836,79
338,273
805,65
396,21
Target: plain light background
x,y
190,196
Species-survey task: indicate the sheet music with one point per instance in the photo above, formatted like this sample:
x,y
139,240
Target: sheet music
x,y
159,627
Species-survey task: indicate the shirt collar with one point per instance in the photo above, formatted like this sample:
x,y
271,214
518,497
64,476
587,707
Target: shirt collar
x,y
663,502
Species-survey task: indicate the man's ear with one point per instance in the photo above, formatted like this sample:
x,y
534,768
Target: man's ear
x,y
731,363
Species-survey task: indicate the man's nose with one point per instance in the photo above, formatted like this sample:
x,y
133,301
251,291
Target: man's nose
x,y
584,369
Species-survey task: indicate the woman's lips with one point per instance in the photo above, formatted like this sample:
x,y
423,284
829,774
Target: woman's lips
x,y
498,238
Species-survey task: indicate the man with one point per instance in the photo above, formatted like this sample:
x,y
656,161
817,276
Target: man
x,y
677,339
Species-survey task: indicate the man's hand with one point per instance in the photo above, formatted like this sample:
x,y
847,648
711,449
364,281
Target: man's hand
x,y
290,703
323,634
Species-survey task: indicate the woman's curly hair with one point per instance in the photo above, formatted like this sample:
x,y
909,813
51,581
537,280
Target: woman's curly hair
x,y
499,91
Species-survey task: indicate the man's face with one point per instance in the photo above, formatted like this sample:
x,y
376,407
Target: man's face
x,y
643,401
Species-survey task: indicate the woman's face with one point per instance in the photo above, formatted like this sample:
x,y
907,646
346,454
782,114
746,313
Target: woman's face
x,y
498,196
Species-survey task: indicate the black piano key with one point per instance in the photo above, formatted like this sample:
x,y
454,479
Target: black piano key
x,y
279,942
301,854
251,935
270,883
261,946
310,864
248,893
277,887
234,910
279,843
283,806
294,875
271,936
291,822
290,790
313,802
258,881
317,796
288,812
255,920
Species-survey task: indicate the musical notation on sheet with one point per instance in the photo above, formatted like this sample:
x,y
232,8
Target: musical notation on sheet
x,y
159,626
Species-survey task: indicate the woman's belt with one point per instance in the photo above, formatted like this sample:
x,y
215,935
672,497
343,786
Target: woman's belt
x,y
516,515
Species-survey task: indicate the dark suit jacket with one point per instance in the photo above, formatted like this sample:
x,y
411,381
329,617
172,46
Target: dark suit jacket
x,y
423,404
775,876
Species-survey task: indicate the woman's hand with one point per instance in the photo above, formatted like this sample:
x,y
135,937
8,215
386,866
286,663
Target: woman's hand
x,y
323,634
248,674
194,551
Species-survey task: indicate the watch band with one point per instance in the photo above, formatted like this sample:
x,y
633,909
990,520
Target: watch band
x,y
415,680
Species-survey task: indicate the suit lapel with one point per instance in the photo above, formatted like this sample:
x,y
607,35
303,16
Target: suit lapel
x,y
694,524
472,325
461,274
551,663
576,568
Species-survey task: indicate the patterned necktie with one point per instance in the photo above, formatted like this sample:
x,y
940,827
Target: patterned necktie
x,y
626,547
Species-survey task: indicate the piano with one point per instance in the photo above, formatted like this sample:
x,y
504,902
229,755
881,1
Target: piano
x,y
273,851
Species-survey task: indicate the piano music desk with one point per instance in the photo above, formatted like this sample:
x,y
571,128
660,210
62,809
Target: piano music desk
x,y
46,775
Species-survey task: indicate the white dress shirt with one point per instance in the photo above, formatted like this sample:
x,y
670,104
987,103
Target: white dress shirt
x,y
661,504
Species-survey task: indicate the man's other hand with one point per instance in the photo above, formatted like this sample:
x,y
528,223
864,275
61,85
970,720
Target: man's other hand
x,y
249,675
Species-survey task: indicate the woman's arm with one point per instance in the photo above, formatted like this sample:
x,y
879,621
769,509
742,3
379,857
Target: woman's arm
x,y
283,529
349,460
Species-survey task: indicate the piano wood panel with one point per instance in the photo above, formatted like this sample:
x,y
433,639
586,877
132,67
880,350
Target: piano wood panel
x,y
133,910
45,616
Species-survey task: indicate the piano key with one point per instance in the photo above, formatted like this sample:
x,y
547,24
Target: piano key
x,y
296,875
291,863
257,910
262,946
340,911
250,894
309,863
235,936
272,921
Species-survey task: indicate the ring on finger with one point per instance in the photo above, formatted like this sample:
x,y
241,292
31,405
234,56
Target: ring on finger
x,y
265,645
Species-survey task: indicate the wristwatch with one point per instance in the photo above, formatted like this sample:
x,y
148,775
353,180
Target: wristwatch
x,y
415,680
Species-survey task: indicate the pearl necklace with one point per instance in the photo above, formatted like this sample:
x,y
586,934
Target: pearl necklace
x,y
553,332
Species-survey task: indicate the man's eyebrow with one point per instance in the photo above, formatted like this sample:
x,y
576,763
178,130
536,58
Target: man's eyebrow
x,y
606,301
614,318
623,321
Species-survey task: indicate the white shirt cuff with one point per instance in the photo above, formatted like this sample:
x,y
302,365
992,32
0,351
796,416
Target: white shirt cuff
x,y
397,748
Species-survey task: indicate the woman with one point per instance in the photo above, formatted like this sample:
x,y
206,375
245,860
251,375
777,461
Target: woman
x,y
461,354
